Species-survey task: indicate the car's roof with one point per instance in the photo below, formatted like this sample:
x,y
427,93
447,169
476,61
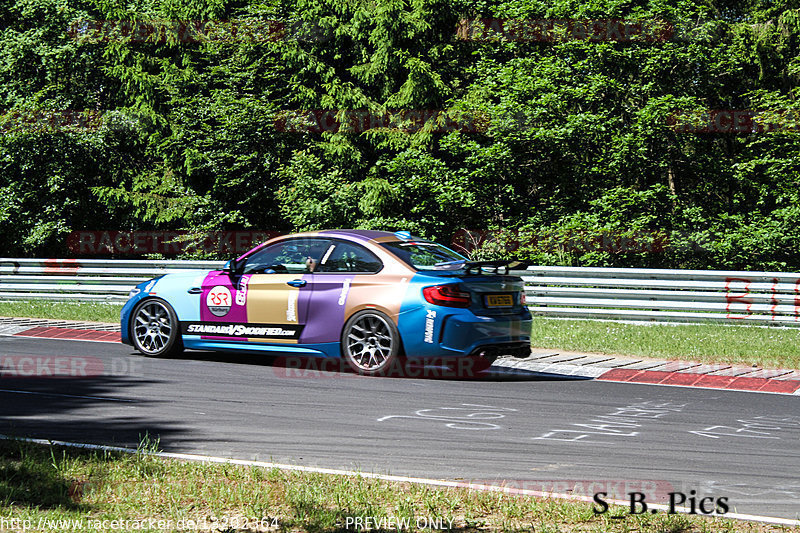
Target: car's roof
x,y
364,235
361,234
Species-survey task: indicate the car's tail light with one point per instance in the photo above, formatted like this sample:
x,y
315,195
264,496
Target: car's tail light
x,y
523,298
447,295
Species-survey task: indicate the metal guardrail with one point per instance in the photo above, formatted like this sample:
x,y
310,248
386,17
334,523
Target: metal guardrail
x,y
576,292
664,295
98,280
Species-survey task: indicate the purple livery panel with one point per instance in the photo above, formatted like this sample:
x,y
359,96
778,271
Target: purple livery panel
x,y
326,312
336,297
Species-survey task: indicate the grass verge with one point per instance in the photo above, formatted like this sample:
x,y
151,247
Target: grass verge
x,y
44,488
84,311
712,343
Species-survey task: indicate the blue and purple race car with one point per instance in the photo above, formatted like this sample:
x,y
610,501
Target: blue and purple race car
x,y
371,297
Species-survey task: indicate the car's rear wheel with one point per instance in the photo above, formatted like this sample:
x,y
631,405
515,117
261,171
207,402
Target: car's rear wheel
x,y
371,343
154,329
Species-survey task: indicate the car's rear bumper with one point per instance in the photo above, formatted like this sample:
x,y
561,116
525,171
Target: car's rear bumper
x,y
469,335
514,349
462,333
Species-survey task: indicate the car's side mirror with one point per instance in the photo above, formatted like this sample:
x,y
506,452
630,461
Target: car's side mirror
x,y
233,267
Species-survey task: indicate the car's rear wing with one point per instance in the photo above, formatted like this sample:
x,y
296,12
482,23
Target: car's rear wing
x,y
482,267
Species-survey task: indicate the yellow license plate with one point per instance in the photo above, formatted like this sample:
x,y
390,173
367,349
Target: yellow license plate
x,y
499,300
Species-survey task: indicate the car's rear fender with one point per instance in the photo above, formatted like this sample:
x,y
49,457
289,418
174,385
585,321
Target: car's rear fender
x,y
430,330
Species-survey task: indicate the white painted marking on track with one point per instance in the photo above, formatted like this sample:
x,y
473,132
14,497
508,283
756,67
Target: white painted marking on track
x,y
619,423
386,477
757,427
58,338
66,395
716,432
468,421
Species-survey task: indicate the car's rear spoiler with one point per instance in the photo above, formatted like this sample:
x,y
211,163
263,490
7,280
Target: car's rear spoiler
x,y
477,267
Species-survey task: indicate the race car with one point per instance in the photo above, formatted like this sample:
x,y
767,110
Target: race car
x,y
371,297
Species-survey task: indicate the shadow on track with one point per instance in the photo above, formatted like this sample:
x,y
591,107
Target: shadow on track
x,y
71,399
454,369
76,399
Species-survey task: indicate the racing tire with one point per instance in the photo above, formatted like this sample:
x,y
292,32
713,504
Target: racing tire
x,y
371,344
155,330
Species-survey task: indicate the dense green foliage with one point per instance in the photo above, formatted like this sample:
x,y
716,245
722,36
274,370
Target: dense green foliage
x,y
575,155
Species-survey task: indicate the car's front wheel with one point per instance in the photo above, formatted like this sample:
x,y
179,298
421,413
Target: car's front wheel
x,y
154,329
370,343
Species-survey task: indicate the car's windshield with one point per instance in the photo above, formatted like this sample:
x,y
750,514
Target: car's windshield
x,y
423,255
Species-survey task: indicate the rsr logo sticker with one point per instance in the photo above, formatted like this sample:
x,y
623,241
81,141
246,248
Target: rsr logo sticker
x,y
218,300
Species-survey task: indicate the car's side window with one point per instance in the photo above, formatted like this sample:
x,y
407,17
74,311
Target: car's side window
x,y
292,256
349,257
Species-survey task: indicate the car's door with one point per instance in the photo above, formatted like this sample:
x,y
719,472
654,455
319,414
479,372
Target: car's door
x,y
345,269
268,300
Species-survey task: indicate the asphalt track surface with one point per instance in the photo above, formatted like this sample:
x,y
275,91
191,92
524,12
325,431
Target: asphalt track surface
x,y
523,430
